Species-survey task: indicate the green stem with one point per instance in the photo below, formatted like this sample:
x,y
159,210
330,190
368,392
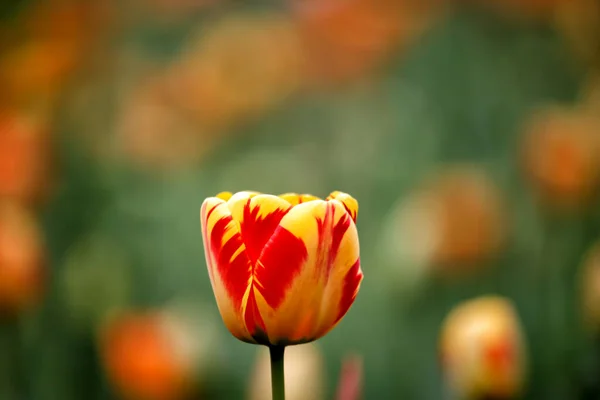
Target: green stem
x,y
277,374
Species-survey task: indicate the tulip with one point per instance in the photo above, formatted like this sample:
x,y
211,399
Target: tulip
x,y
560,156
450,226
284,269
158,354
482,349
25,157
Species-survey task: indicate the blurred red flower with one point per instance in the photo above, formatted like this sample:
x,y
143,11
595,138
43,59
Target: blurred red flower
x,y
141,358
25,157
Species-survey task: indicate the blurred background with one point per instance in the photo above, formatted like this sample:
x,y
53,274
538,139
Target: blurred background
x,y
469,131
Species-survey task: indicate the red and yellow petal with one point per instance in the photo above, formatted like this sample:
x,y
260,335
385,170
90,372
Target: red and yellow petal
x,y
247,194
284,269
258,218
294,198
224,195
348,201
228,265
302,270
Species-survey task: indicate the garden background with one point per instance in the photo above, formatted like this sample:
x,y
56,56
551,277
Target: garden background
x,y
468,130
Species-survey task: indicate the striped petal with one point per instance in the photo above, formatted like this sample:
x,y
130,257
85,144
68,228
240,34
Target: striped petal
x,y
348,201
295,198
228,265
224,195
258,217
239,196
308,273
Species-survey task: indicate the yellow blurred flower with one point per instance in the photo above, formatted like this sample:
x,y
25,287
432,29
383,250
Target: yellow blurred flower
x,y
482,349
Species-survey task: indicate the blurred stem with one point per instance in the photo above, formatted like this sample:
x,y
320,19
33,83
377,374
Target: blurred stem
x,y
277,372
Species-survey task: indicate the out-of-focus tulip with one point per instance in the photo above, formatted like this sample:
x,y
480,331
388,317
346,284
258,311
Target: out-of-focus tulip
x,y
49,44
36,69
154,134
304,374
241,66
590,289
346,39
351,380
152,355
561,155
22,256
482,349
457,219
284,269
25,155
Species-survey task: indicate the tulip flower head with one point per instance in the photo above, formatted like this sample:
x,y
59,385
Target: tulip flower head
x,y
482,348
284,269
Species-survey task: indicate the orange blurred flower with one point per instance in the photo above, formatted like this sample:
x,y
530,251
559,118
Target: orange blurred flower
x,y
482,349
347,39
242,66
561,155
285,269
36,69
304,374
455,219
52,40
25,157
22,257
144,359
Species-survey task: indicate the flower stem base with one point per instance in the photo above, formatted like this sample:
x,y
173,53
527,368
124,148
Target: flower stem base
x,y
277,372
